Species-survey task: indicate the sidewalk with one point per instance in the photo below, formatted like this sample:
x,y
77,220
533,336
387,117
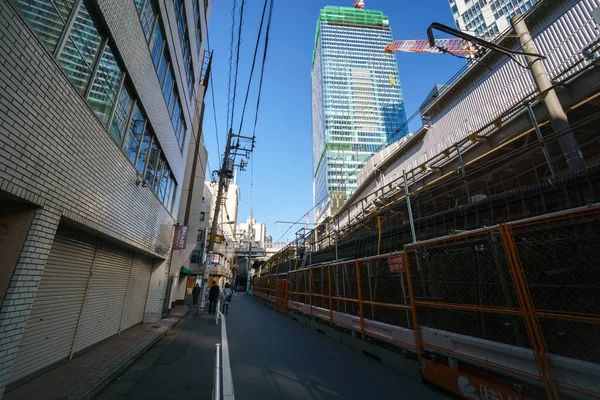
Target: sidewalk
x,y
85,376
180,366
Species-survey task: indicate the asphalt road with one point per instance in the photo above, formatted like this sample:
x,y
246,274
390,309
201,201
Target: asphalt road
x,y
272,357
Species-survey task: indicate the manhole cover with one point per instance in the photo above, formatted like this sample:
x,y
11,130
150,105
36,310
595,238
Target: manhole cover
x,y
155,327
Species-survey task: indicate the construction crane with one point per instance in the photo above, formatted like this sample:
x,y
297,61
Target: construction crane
x,y
451,46
359,4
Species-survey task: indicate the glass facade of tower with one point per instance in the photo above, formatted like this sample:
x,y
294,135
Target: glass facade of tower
x,y
357,103
484,18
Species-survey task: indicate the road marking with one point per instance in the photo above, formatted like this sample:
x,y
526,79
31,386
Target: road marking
x,y
227,377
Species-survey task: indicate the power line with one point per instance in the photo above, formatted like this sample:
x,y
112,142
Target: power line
x,y
230,62
262,20
212,88
262,69
237,62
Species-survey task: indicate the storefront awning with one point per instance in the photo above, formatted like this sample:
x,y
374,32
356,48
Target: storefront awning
x,y
185,271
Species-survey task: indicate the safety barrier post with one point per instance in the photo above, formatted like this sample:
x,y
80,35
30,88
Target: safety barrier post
x,y
330,305
310,275
529,315
360,304
297,289
412,304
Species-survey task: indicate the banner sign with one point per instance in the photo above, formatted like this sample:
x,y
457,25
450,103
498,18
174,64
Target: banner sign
x,y
180,238
396,263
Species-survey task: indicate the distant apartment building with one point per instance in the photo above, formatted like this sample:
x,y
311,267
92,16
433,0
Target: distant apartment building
x,y
100,109
486,18
223,257
259,232
357,102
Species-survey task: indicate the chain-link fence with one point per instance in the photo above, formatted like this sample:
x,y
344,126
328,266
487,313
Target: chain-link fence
x,y
520,297
560,258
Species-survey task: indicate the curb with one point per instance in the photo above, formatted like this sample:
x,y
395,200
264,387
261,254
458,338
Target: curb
x,y
95,390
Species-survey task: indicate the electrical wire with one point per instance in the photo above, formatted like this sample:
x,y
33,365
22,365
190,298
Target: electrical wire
x,y
212,89
423,107
262,69
230,63
237,62
260,28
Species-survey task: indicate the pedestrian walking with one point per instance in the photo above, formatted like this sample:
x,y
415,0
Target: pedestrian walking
x,y
213,296
228,295
195,294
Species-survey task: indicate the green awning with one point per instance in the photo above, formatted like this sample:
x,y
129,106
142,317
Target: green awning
x,y
185,271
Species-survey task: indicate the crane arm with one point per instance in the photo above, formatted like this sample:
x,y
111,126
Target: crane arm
x,y
453,46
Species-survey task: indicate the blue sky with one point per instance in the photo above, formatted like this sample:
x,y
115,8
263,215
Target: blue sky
x,y
282,161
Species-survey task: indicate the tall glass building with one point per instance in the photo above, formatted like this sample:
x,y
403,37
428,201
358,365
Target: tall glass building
x,y
357,103
485,18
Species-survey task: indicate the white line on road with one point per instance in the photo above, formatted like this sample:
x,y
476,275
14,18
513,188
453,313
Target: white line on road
x,y
227,377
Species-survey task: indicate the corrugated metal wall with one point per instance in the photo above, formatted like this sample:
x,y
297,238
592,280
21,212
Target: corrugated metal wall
x,y
569,28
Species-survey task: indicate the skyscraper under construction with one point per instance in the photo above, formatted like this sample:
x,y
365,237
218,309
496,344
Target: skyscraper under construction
x,y
357,103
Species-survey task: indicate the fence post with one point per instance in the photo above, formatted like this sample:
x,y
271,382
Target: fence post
x,y
529,315
412,304
330,305
297,289
310,275
360,304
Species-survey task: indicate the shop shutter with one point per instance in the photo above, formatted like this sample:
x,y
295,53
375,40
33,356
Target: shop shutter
x,y
53,318
103,304
137,291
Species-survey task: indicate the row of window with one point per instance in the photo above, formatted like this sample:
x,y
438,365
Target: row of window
x,y
182,30
88,59
154,33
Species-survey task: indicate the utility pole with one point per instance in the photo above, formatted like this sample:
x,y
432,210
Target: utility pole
x,y
251,238
243,147
558,118
225,173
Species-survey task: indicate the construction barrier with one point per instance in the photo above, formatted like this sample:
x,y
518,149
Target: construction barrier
x,y
520,300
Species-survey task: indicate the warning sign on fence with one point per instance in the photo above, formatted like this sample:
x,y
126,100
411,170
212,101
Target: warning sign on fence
x,y
396,263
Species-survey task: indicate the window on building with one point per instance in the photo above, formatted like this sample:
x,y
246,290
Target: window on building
x,y
105,85
153,164
201,216
163,68
80,50
157,45
148,18
168,85
140,164
121,115
47,19
139,4
198,21
158,175
165,182
90,63
182,29
195,257
134,135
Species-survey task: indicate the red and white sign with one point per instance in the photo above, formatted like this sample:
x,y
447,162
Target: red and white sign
x,y
396,263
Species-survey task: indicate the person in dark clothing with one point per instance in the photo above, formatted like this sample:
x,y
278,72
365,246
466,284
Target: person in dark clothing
x,y
196,293
213,296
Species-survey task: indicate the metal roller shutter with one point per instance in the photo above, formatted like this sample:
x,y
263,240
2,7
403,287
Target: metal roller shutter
x,y
137,291
103,304
53,319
